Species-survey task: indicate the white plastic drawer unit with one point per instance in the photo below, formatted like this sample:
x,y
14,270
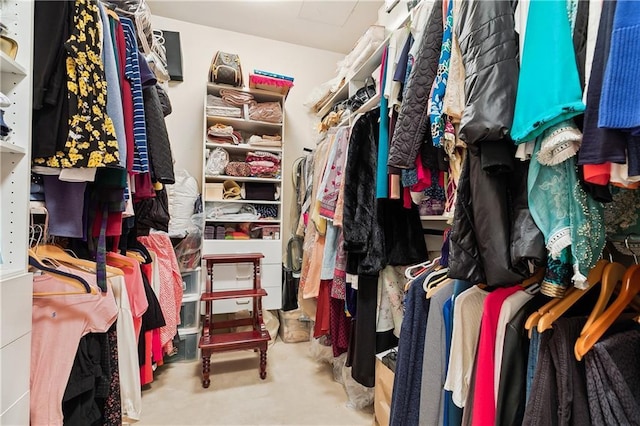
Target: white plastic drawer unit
x,y
187,347
189,313
191,282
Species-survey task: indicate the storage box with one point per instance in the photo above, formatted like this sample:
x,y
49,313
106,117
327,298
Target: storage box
x,y
189,312
213,191
295,326
187,347
383,390
271,84
191,283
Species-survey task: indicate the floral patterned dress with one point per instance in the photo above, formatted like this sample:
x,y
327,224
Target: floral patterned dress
x,y
92,140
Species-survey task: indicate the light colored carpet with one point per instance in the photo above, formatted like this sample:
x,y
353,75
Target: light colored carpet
x,y
297,391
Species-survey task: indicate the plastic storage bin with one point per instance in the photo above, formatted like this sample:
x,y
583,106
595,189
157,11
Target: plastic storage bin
x,y
189,312
191,283
295,326
187,347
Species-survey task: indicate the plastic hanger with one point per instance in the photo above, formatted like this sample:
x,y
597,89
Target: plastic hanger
x,y
630,288
612,275
55,252
433,274
420,267
558,309
74,280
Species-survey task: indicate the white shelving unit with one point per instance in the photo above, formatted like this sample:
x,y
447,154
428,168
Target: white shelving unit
x,y
15,160
229,277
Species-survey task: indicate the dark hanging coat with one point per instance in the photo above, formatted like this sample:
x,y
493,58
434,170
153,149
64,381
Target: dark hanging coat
x,y
493,234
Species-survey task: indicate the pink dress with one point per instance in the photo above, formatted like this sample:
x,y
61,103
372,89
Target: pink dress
x,y
58,324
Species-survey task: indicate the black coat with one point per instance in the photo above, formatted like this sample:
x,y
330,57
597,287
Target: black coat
x,y
377,232
493,235
412,128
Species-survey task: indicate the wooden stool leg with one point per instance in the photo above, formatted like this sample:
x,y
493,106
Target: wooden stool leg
x,y
263,363
206,369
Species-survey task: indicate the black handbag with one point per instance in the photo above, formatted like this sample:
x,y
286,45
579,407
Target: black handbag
x,y
362,95
226,69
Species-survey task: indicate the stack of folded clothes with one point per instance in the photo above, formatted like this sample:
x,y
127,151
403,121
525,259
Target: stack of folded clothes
x,y
263,164
220,133
236,97
231,211
217,106
266,140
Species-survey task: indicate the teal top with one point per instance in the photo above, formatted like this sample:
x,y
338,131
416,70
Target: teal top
x,y
382,185
571,221
549,89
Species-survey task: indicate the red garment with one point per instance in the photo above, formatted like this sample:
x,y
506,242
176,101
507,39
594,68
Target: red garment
x,y
322,325
340,326
114,224
156,347
127,97
146,370
598,174
144,187
170,286
484,402
135,287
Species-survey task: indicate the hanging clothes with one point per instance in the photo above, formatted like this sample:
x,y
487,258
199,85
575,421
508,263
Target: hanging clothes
x,y
92,140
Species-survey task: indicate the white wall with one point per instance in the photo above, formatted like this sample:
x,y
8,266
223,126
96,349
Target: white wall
x,y
309,66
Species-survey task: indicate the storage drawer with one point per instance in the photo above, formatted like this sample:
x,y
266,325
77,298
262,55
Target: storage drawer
x,y
271,249
191,282
16,299
272,301
18,414
189,312
15,363
232,276
188,347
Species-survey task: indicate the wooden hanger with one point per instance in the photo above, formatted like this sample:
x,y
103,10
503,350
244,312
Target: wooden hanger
x,y
135,255
612,275
536,278
630,288
73,280
55,252
558,309
436,287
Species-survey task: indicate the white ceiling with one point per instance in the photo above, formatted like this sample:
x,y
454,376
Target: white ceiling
x,y
333,25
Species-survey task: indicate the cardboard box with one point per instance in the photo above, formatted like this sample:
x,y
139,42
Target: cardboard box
x,y
382,392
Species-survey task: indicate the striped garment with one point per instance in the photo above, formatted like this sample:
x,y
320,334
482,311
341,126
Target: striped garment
x,y
132,72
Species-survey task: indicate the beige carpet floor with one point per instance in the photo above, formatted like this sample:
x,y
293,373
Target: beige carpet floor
x,y
297,391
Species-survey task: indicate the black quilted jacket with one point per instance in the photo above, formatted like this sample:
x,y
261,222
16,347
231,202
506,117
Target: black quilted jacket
x,y
412,128
493,235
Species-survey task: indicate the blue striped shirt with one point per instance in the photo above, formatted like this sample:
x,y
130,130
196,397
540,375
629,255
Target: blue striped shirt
x,y
132,72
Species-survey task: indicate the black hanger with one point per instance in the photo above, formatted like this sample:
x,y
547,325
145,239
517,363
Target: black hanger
x,y
38,265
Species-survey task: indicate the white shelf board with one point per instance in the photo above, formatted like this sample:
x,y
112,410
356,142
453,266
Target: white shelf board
x,y
340,95
243,147
222,178
369,105
243,201
10,148
361,74
260,94
245,125
434,217
8,65
10,272
265,221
